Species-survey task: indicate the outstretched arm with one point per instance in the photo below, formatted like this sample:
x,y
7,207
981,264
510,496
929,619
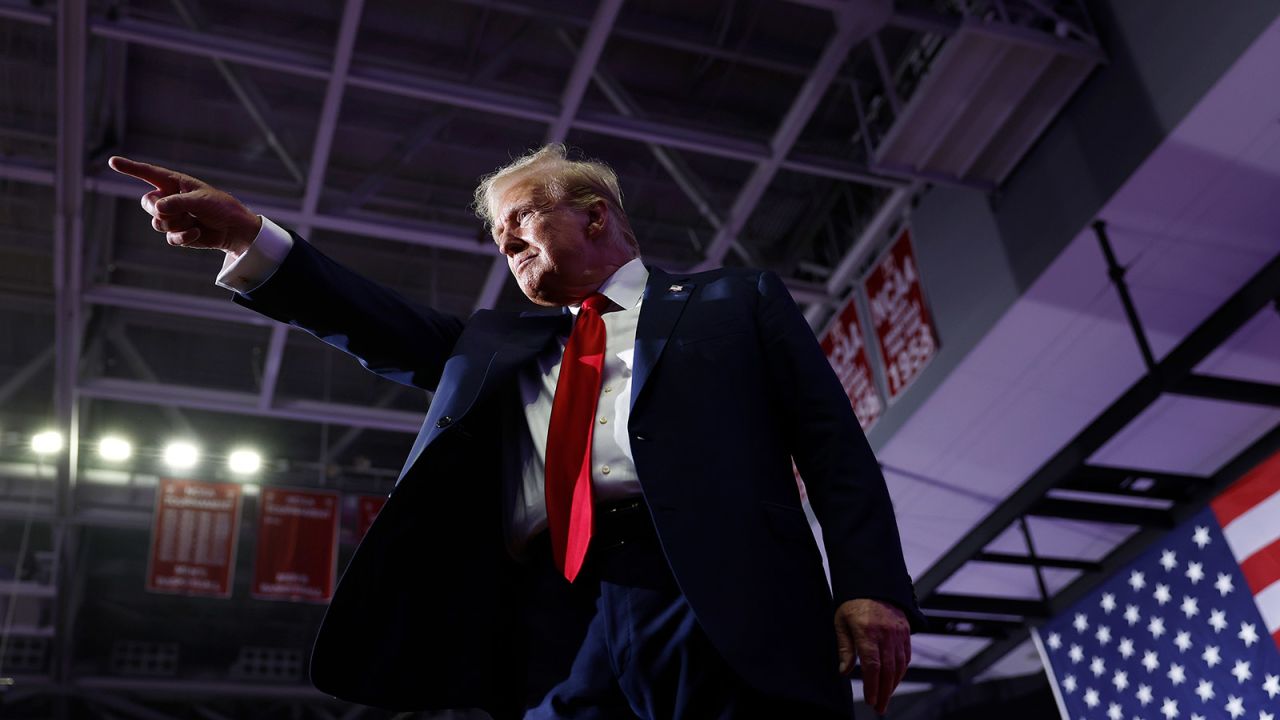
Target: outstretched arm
x,y
386,333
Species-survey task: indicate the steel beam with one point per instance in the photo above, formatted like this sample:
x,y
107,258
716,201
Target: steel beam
x,y
172,303
243,403
327,127
19,378
248,96
135,360
432,235
1256,294
985,605
1129,550
463,95
1040,560
200,688
1226,389
854,22
1105,513
71,28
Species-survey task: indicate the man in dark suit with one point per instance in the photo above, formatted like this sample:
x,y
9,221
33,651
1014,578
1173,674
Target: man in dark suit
x,y
599,517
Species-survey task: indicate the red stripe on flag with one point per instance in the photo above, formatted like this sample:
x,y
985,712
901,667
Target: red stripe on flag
x,y
1262,568
1276,636
1257,485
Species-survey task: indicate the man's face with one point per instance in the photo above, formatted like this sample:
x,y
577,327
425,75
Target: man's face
x,y
551,249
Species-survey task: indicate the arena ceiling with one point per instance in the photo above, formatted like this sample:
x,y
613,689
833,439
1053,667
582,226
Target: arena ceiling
x,y
787,135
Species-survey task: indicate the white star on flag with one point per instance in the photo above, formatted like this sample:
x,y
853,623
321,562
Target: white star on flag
x,y
1161,594
1201,537
1218,620
1150,660
1205,690
1248,634
1144,694
1055,641
1091,697
1272,685
1241,671
1177,674
1108,602
1103,635
1183,641
1120,680
1076,653
1224,585
1211,655
1195,572
1126,648
1156,627
1131,614
1264,715
1082,623
1168,560
1097,667
1115,712
1169,708
1235,706
1137,580
1190,606
1069,683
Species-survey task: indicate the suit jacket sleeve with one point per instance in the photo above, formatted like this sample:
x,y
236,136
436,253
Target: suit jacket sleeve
x,y
385,332
841,475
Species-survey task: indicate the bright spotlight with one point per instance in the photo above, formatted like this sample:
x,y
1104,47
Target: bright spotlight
x,y
47,442
244,462
114,448
181,455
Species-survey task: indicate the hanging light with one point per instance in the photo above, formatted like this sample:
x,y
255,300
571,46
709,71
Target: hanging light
x,y
47,442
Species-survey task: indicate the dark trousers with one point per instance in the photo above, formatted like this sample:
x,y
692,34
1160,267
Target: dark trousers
x,y
622,643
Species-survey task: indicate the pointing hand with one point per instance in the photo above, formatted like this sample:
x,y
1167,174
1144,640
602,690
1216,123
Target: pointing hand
x,y
190,212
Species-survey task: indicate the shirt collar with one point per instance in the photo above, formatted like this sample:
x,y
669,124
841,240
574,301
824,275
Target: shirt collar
x,y
625,286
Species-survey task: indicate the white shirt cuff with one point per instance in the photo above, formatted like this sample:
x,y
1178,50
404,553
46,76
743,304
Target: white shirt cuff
x,y
259,262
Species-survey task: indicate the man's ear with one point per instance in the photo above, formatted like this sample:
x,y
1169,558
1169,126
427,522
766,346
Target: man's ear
x,y
597,218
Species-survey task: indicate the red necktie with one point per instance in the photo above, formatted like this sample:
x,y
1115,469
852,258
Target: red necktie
x,y
568,467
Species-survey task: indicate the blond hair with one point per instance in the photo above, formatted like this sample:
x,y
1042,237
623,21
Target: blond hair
x,y
577,183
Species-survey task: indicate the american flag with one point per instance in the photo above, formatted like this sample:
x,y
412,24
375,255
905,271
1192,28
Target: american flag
x,y
1190,630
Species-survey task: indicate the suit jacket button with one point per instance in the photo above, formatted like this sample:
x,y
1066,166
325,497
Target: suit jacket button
x,y
444,422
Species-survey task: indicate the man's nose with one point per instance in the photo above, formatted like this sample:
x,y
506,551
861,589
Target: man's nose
x,y
510,245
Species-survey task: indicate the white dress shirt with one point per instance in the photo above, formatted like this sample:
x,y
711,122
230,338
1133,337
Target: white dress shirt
x,y
613,469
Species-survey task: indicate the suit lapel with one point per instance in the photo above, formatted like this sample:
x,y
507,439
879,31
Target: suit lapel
x,y
664,300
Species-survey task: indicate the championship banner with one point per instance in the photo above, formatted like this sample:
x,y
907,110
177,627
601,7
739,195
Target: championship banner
x,y
847,353
193,537
1189,630
903,327
297,545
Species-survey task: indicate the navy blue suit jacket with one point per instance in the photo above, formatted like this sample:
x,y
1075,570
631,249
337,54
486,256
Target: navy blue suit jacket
x,y
728,386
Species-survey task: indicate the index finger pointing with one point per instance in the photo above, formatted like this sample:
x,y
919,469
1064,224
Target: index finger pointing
x,y
160,178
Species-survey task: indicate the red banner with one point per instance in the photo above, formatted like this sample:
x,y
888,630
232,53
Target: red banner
x,y
193,537
297,545
903,326
847,353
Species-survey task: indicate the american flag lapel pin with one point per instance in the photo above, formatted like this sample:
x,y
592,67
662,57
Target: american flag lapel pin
x,y
675,288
